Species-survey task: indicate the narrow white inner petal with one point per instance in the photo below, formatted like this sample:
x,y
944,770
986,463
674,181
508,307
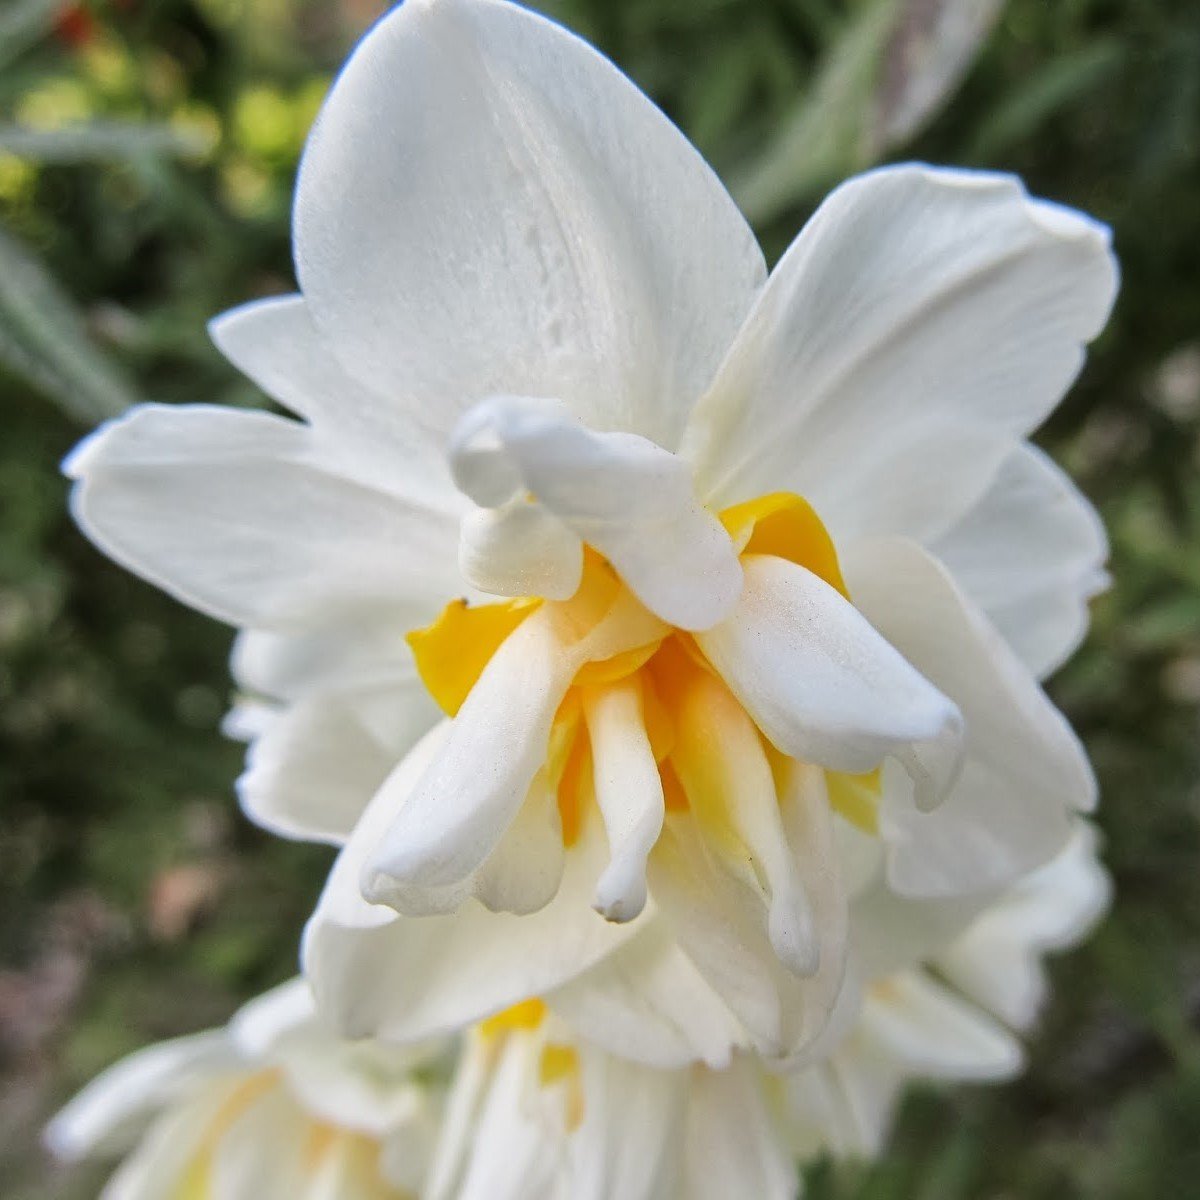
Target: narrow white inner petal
x,y
825,686
629,793
471,792
724,770
629,498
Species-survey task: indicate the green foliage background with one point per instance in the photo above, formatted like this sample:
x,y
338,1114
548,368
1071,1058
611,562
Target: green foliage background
x,y
146,157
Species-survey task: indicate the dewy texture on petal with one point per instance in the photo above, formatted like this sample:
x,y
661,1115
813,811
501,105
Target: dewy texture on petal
x,y
627,498
486,206
922,320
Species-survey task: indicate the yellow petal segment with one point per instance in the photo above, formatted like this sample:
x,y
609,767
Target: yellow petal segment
x,y
528,1014
787,526
452,652
560,1065
856,797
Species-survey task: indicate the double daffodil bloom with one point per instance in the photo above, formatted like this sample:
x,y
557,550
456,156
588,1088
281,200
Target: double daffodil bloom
x,y
536,1113
273,1107
692,568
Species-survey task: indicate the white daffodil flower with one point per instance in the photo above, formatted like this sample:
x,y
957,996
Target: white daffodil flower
x,y
744,558
535,1113
273,1107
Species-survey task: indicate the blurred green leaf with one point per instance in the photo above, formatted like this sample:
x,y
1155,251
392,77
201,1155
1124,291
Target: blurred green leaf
x,y
44,338
885,76
1057,85
100,141
22,24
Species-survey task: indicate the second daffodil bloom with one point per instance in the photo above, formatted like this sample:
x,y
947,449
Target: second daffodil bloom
x,y
535,1113
273,1107
699,565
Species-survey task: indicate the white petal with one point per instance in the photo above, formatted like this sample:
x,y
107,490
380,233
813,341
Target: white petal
x,y
448,824
719,923
237,514
892,931
1031,554
259,1024
260,1154
276,344
936,1034
629,793
630,1142
312,769
918,311
116,1106
824,686
368,1087
159,1164
487,205
733,1147
402,979
516,1153
524,870
520,550
997,961
1024,771
627,497
720,762
362,654
815,1114
646,1001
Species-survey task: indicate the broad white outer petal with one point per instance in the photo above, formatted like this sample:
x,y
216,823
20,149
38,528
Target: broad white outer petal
x,y
732,1144
486,205
936,1034
360,655
919,312
238,514
824,686
630,499
276,344
1031,554
997,961
311,770
630,1140
629,792
115,1107
1025,771
646,1001
401,979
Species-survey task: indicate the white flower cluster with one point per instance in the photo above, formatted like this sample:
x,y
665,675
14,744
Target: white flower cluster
x,y
659,639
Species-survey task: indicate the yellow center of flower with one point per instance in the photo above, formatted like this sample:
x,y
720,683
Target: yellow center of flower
x,y
687,709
